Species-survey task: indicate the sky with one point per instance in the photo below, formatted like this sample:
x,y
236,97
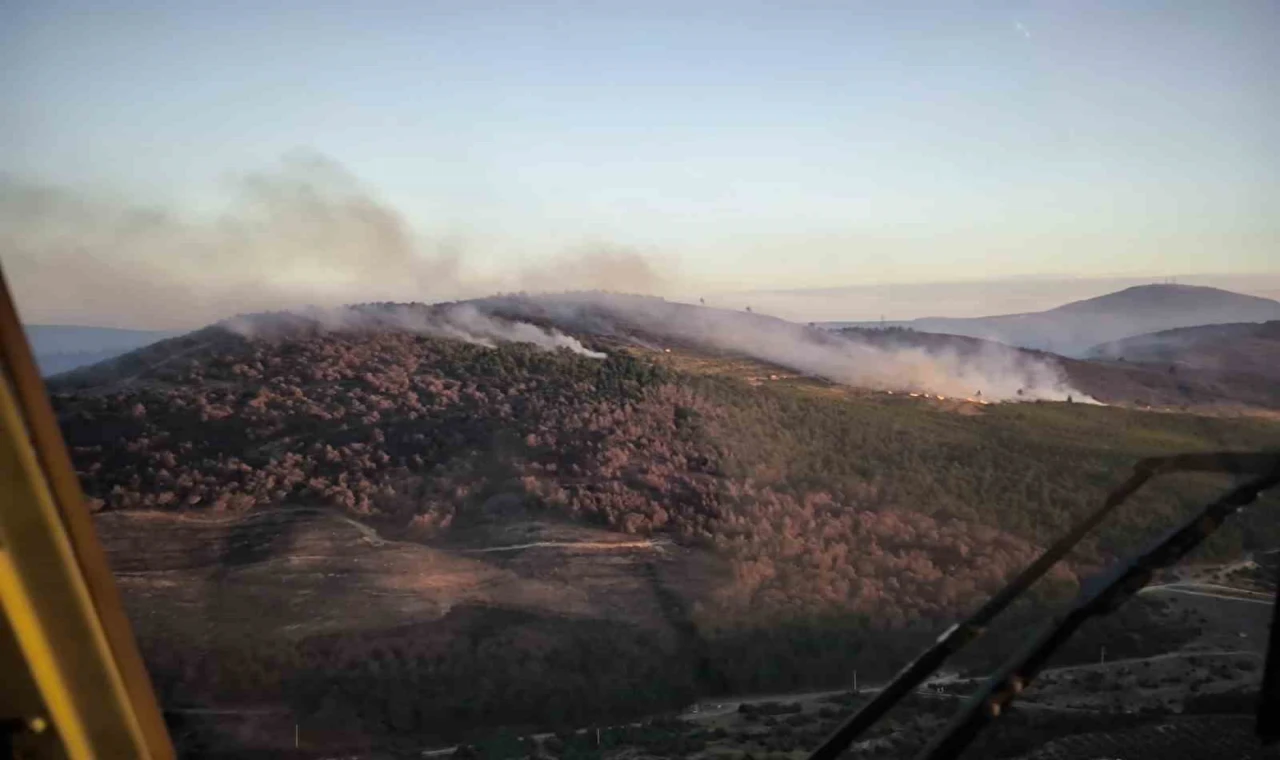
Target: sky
x,y
733,145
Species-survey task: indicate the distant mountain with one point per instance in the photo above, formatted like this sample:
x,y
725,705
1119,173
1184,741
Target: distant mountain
x,y
59,348
1074,328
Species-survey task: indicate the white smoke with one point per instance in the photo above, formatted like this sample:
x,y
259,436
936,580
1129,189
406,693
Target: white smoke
x,y
310,233
998,372
461,322
464,322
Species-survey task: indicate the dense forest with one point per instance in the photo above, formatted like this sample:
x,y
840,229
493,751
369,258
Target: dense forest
x,y
853,527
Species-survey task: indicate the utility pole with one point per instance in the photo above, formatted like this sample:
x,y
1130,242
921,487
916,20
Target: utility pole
x,y
1102,659
295,735
855,681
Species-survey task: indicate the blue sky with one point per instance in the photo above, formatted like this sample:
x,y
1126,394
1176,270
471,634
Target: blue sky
x,y
745,144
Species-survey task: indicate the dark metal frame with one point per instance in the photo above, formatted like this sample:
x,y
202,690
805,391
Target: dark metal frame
x,y
1122,583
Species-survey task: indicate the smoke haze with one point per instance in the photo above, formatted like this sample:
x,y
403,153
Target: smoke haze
x,y
998,372
462,322
308,236
993,371
305,233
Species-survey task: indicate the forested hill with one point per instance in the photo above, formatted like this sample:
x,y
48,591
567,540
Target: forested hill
x,y
827,515
386,423
1248,348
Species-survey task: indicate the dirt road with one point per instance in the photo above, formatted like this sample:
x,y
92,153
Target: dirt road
x,y
583,545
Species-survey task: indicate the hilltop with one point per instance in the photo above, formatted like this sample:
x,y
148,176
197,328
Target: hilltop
x,y
535,512
1073,328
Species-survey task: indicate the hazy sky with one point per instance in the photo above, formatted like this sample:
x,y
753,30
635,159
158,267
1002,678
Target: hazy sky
x,y
745,144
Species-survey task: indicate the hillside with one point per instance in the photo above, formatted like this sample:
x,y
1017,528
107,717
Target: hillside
x,y
1211,369
1073,328
417,521
1231,349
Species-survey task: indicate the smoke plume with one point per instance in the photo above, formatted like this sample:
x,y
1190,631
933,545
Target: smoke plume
x,y
305,233
998,372
462,321
309,237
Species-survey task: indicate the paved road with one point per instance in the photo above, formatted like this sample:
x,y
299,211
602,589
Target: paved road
x,y
1019,704
1210,590
1152,658
1232,589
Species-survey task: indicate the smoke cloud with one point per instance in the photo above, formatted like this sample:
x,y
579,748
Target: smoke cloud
x,y
461,321
305,233
998,372
309,237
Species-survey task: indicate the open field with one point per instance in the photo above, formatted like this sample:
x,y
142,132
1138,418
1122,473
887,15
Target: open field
x,y
302,571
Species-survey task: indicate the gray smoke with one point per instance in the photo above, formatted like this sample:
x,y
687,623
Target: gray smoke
x,y
308,234
305,233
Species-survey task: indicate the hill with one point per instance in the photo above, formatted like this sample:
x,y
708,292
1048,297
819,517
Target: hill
x,y
1230,349
1073,328
59,348
1213,369
419,521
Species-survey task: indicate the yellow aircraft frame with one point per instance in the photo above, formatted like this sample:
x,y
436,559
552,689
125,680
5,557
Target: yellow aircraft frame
x,y
73,682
